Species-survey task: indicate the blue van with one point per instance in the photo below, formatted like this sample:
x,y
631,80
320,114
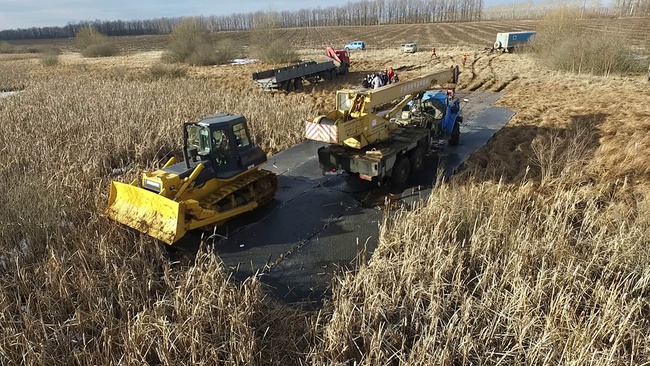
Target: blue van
x,y
356,45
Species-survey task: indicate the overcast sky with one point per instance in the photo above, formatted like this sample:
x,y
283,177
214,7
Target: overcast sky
x,y
57,13
44,13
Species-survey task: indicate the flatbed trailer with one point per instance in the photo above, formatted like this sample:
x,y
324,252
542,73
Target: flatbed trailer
x,y
291,77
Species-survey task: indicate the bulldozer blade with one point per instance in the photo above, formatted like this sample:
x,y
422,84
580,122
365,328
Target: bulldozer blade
x,y
147,212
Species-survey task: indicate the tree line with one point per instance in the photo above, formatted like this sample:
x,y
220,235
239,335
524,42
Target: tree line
x,y
632,8
359,13
109,28
364,12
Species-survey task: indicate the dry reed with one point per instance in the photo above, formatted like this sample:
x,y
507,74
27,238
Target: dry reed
x,y
535,253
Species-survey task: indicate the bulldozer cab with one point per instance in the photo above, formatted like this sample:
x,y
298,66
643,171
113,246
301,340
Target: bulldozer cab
x,y
222,143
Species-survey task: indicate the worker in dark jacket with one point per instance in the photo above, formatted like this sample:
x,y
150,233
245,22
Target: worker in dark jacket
x,y
384,77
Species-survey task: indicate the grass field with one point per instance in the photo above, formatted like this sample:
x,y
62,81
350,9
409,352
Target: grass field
x,y
535,253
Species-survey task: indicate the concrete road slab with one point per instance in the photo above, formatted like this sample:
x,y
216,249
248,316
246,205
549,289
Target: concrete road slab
x,y
306,274
474,133
287,161
260,246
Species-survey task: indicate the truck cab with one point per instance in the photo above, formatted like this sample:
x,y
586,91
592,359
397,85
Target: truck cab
x,y
438,111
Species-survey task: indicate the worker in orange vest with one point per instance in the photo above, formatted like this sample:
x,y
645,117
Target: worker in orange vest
x,y
464,60
433,53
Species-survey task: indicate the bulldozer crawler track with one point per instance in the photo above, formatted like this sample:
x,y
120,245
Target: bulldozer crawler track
x,y
258,186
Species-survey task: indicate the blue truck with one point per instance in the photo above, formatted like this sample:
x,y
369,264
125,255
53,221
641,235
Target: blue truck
x,y
438,112
507,42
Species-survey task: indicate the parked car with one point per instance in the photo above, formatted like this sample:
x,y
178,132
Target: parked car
x,y
410,47
356,45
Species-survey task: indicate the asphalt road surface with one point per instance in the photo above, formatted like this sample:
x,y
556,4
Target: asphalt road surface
x,y
320,225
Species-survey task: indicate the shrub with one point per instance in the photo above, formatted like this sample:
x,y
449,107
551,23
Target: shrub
x,y
564,44
50,59
190,43
227,50
6,47
202,55
277,51
92,43
269,47
51,50
103,49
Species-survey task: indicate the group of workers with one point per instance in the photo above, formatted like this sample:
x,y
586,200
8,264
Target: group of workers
x,y
377,80
388,76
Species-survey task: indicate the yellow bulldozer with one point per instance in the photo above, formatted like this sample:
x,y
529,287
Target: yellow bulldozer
x,y
218,179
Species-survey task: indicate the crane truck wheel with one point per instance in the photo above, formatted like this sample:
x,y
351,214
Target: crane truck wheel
x,y
497,45
417,158
297,84
401,170
454,140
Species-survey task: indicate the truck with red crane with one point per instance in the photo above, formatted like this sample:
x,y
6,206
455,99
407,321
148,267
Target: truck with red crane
x,y
290,78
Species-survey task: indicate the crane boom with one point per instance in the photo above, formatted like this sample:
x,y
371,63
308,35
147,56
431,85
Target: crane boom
x,y
388,93
355,123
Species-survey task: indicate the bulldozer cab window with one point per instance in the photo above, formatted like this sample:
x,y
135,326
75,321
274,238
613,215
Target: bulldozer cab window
x,y
221,144
241,136
198,138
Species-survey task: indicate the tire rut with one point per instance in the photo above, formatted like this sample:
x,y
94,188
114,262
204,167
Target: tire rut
x,y
505,84
473,66
490,80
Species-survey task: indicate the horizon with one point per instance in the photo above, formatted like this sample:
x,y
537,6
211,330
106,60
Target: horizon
x,y
20,14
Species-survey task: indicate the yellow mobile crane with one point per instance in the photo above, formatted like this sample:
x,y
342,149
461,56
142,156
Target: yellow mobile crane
x,y
375,144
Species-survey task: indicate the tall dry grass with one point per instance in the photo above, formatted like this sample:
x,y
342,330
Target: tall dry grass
x,y
495,273
13,77
564,43
79,289
535,254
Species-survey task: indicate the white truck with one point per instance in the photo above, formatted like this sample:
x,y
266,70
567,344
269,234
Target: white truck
x,y
506,42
